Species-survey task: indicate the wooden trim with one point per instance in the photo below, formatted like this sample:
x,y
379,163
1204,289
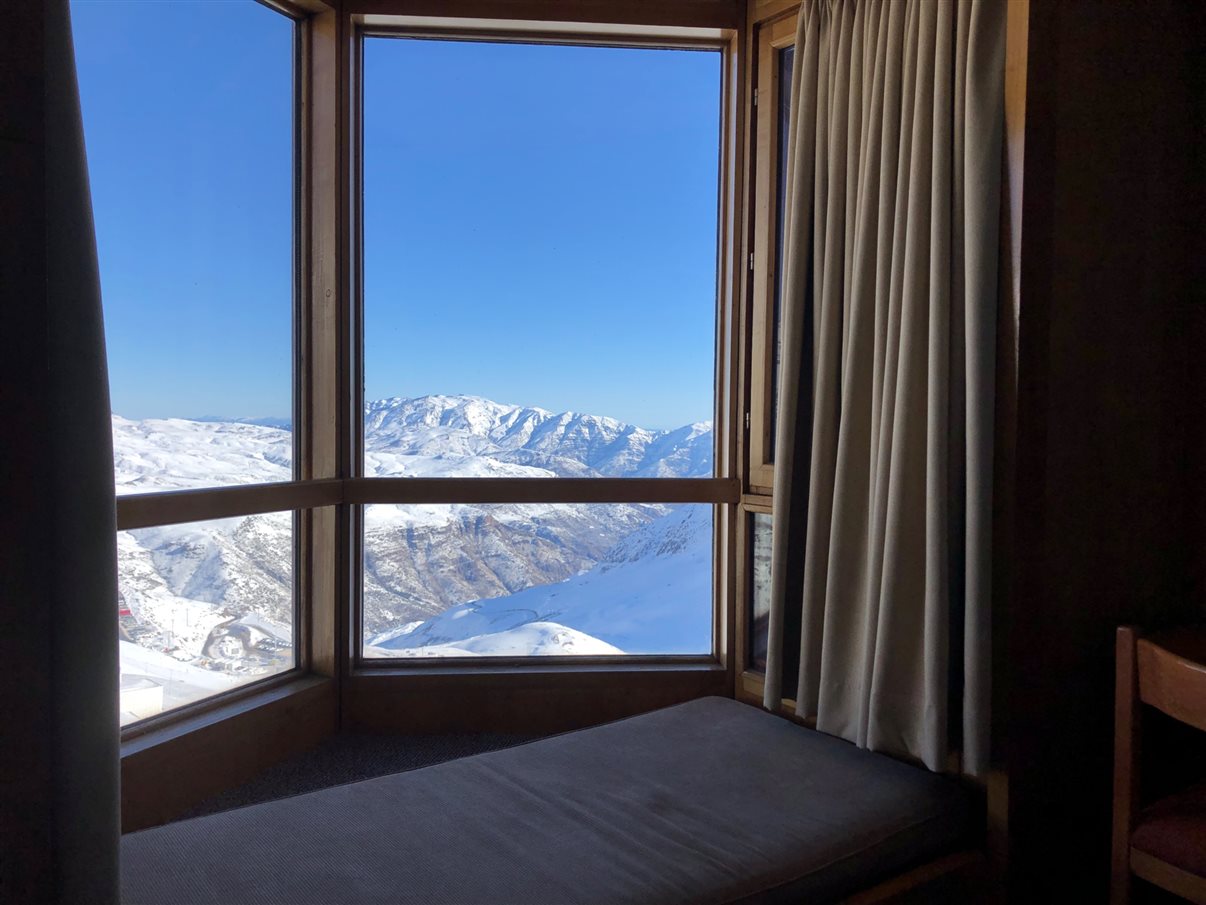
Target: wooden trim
x,y
761,11
771,38
168,771
741,640
320,349
555,33
532,699
490,667
298,9
145,510
663,14
750,505
322,387
958,877
1127,718
761,467
1168,876
350,368
750,687
510,21
1174,682
730,278
216,702
758,502
363,491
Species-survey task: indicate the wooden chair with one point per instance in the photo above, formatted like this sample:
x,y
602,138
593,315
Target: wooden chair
x,y
1165,842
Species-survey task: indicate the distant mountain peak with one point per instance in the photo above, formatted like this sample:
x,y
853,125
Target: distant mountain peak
x,y
570,444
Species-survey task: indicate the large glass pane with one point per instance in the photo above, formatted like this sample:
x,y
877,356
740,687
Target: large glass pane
x,y
758,589
784,59
537,579
188,119
203,608
539,259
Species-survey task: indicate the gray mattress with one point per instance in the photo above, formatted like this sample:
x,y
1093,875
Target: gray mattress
x,y
709,801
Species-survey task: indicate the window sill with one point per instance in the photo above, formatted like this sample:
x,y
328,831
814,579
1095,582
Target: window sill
x,y
529,698
170,768
500,668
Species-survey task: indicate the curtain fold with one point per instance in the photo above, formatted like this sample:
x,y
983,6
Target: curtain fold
x,y
891,254
81,565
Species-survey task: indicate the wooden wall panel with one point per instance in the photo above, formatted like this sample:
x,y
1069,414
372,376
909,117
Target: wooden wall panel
x,y
164,773
1106,496
684,13
523,701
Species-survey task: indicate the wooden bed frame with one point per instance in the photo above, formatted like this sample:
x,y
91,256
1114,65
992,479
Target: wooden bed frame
x,y
957,879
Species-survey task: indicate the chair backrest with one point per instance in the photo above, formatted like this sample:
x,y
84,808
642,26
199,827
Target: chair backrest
x,y
1172,674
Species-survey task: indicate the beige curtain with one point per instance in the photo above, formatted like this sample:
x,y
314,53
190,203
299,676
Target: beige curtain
x,y
890,301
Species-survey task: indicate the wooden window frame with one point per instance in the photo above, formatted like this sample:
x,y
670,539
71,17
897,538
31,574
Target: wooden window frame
x,y
770,27
718,491
771,38
153,509
258,724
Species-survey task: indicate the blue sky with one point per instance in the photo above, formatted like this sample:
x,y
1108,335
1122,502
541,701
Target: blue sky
x,y
540,221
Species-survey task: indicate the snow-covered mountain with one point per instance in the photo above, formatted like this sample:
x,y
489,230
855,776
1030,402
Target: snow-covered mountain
x,y
175,454
410,436
217,596
431,436
649,594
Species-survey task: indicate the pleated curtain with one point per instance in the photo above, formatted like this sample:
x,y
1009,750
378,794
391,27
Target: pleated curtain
x,y
893,187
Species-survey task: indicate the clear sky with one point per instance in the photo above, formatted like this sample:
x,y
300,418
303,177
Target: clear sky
x,y
539,221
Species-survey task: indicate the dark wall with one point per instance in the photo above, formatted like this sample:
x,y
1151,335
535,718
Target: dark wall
x,y
1111,350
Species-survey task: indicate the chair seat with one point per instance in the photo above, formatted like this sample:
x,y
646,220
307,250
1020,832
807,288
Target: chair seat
x,y
1174,830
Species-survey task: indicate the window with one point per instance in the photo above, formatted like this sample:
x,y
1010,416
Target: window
x,y
540,296
769,139
418,334
189,118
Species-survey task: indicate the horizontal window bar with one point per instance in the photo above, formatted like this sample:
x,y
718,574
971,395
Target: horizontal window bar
x,y
638,18
144,510
542,490
536,665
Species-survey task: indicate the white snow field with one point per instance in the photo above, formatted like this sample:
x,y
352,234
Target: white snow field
x,y
208,606
650,594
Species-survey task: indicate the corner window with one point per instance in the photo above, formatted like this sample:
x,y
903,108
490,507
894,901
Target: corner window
x,y
769,140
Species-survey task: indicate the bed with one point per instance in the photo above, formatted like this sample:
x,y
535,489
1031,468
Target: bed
x,y
712,801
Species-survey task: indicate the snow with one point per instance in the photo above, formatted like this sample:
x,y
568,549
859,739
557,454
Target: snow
x,y
651,594
210,603
531,639
181,683
468,435
174,454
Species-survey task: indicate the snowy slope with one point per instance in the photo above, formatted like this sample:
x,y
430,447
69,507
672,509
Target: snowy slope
x,y
174,454
651,594
531,639
216,597
432,436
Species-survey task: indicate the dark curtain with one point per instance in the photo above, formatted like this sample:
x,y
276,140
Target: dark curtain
x,y
59,827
